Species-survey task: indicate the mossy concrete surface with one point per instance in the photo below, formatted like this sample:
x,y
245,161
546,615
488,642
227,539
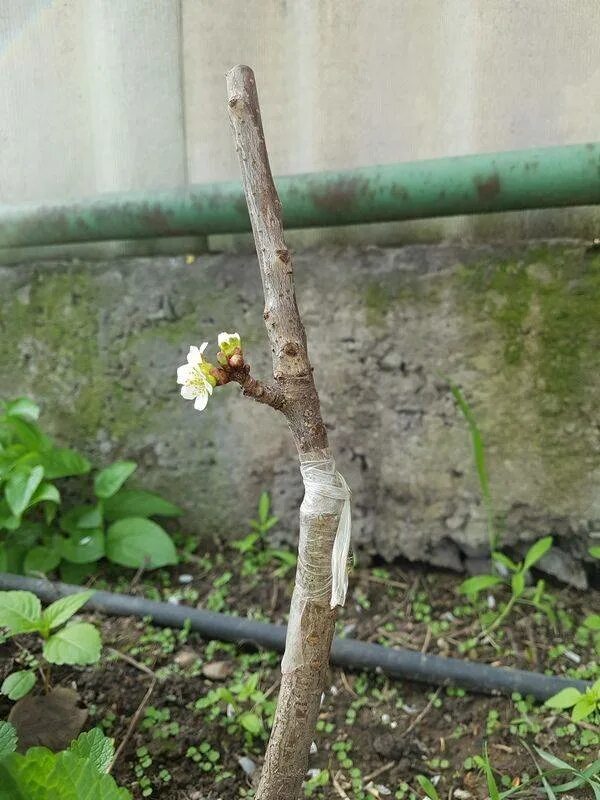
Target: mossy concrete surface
x,y
97,344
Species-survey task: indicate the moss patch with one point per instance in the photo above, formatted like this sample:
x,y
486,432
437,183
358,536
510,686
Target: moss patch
x,y
546,307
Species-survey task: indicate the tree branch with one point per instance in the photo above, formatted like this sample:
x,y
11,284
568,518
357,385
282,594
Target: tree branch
x,y
291,366
311,622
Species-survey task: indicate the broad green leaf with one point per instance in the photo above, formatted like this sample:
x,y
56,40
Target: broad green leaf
x,y
138,542
138,503
23,407
251,722
428,787
478,583
80,517
91,518
62,462
8,738
108,481
536,551
43,775
83,547
45,493
585,706
97,748
60,611
28,434
518,583
20,612
594,552
18,684
21,487
8,520
78,643
565,698
75,573
41,559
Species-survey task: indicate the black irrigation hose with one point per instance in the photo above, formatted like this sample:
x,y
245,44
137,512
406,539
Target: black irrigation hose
x,y
395,662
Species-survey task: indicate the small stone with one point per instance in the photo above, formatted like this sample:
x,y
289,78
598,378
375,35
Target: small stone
x,y
576,659
247,764
385,719
186,657
383,790
185,578
313,748
217,670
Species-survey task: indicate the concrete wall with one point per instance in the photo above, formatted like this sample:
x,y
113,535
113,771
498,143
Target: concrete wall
x,y
97,345
99,95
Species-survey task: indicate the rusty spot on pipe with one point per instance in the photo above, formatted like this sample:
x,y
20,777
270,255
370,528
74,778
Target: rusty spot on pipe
x,y
487,189
339,195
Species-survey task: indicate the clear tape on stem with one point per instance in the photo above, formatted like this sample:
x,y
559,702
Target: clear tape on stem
x,y
322,565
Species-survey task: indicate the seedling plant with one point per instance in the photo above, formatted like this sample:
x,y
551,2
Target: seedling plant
x,y
63,642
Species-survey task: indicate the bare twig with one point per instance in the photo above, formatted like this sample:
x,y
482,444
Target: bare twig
x,y
420,716
376,773
338,788
346,683
140,709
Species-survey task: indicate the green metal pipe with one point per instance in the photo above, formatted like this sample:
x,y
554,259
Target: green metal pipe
x,y
523,179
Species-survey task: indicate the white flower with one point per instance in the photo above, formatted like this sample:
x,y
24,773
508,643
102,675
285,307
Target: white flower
x,y
228,342
196,378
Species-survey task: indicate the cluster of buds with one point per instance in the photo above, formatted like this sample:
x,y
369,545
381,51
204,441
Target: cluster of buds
x,y
230,356
198,377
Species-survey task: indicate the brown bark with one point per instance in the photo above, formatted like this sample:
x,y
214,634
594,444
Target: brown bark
x,y
307,654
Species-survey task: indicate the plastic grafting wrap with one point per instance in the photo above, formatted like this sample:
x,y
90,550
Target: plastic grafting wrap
x,y
322,553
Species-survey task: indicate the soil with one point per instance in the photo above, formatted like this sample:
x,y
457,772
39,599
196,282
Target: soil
x,y
376,735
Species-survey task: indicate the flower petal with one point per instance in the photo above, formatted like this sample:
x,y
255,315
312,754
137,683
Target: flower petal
x,y
203,347
189,392
183,373
225,337
200,402
194,356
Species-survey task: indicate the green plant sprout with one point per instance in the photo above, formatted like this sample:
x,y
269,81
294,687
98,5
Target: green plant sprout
x,y
516,581
480,464
255,548
45,775
592,621
73,643
39,535
587,777
582,704
515,572
240,706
